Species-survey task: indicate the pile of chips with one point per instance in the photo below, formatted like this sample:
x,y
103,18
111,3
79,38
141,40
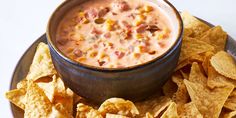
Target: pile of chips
x,y
202,86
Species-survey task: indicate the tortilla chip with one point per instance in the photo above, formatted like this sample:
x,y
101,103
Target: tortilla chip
x,y
56,91
181,96
189,61
184,74
37,104
108,115
169,88
42,64
188,110
22,84
194,24
206,61
216,37
224,64
59,111
187,32
171,111
208,102
231,101
191,47
17,97
148,115
118,106
46,84
154,105
85,111
217,80
231,114
66,100
196,74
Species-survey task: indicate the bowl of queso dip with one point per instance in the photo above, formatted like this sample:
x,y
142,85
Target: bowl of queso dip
x,y
115,48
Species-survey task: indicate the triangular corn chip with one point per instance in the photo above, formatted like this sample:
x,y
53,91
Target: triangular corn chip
x,y
224,64
42,64
192,23
37,104
171,111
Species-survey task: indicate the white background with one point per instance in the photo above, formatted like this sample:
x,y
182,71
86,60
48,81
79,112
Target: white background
x,y
23,21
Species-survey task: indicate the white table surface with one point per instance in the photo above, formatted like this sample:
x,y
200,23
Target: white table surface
x,y
23,21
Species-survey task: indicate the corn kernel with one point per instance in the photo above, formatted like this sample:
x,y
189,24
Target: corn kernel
x,y
110,22
137,22
136,55
139,36
140,11
93,54
148,8
102,55
109,27
78,26
140,17
81,37
81,14
139,49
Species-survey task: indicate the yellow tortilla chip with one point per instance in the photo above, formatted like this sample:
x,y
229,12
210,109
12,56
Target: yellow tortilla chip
x,y
42,64
85,111
59,111
231,101
217,80
194,24
171,111
216,37
17,97
169,88
206,61
224,64
188,110
56,91
189,61
185,75
191,47
108,115
153,106
66,100
181,96
187,32
196,74
208,102
231,114
118,106
37,104
22,84
148,115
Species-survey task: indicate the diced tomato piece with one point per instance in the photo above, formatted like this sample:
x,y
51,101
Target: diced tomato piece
x,y
119,54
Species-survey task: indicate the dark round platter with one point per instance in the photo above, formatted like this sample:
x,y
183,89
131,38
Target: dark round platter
x,y
23,65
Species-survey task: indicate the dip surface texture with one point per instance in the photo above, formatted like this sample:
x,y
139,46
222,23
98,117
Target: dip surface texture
x,y
115,33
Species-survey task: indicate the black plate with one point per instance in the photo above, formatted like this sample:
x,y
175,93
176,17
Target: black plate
x,y
23,65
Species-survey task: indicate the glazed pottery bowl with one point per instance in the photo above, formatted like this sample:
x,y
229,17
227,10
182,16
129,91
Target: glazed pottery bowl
x,y
98,84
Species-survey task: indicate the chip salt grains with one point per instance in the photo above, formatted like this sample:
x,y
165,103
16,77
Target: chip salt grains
x,y
224,64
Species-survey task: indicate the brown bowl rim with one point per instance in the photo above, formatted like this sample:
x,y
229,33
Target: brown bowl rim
x,y
49,40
